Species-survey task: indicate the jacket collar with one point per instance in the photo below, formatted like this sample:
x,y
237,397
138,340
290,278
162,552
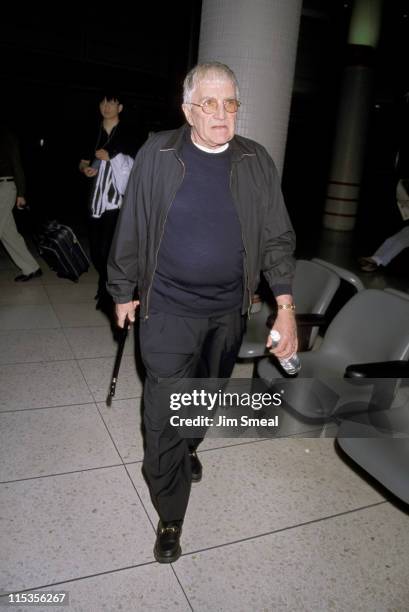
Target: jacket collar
x,y
239,146
176,139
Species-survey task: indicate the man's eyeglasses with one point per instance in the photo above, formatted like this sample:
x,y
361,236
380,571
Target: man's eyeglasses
x,y
211,105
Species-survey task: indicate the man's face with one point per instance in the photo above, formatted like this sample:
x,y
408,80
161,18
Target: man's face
x,y
110,109
211,130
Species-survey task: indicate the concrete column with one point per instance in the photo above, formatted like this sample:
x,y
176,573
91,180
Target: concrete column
x,y
258,40
356,93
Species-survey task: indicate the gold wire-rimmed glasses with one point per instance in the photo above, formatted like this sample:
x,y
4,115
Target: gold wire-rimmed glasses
x,y
211,105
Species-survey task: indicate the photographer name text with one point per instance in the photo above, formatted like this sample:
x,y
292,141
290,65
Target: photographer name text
x,y
223,421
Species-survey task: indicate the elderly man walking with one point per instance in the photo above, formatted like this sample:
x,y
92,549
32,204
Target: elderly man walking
x,y
202,216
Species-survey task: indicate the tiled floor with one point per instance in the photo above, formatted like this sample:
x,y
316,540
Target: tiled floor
x,y
275,525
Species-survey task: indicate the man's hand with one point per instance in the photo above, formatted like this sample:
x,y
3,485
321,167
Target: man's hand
x,y
20,202
102,154
286,326
126,310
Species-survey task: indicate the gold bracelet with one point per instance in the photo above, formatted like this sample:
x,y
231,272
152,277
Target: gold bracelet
x,y
286,307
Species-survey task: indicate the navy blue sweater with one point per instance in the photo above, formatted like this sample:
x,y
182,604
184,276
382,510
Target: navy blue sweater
x,y
200,262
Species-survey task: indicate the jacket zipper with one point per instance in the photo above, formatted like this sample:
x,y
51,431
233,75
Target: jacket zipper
x,y
245,250
161,236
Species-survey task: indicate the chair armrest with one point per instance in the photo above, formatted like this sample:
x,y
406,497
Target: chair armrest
x,y
311,320
380,369
385,376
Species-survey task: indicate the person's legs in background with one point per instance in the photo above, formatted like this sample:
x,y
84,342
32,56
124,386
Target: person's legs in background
x,y
101,233
387,251
392,247
10,237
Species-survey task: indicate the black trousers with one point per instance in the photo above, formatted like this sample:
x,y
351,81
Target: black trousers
x,y
101,232
174,347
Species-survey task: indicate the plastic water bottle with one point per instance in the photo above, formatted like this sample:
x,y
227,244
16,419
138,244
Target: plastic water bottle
x,y
291,365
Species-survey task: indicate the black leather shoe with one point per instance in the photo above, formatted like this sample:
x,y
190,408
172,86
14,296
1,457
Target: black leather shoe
x,y
23,278
167,546
197,469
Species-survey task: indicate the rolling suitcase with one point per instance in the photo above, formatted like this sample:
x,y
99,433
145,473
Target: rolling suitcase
x,y
58,245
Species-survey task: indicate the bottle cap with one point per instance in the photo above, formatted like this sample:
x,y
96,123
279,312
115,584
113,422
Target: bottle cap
x,y
275,335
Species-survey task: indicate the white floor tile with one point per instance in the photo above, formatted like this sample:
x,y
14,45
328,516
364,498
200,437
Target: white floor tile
x,y
79,315
53,441
123,420
149,588
356,562
98,373
39,385
34,345
96,342
28,317
24,293
75,293
253,489
64,527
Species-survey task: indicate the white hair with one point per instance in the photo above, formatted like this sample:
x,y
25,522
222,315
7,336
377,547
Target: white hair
x,y
212,70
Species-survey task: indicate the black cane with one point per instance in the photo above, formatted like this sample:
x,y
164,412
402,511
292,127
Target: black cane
x,y
118,360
